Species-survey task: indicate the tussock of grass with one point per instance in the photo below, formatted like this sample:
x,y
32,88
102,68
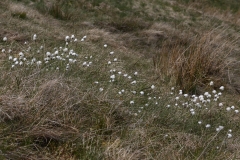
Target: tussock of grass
x,y
191,64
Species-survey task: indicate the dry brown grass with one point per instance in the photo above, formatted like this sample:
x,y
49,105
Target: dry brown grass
x,y
226,15
193,62
33,23
51,115
55,116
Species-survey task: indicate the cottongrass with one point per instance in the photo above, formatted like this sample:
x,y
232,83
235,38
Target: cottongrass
x,y
103,102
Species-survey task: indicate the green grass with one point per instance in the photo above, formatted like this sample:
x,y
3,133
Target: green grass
x,y
232,5
72,100
119,105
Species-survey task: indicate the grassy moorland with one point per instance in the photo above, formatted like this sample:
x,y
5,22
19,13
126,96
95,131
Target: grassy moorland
x,y
117,80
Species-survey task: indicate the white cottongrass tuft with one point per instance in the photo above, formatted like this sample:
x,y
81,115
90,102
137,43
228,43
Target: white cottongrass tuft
x,y
112,76
152,86
84,63
211,83
208,126
65,50
67,38
180,92
10,58
83,39
4,39
48,54
34,37
21,55
134,82
221,88
219,128
228,108
229,135
39,63
134,92
15,59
